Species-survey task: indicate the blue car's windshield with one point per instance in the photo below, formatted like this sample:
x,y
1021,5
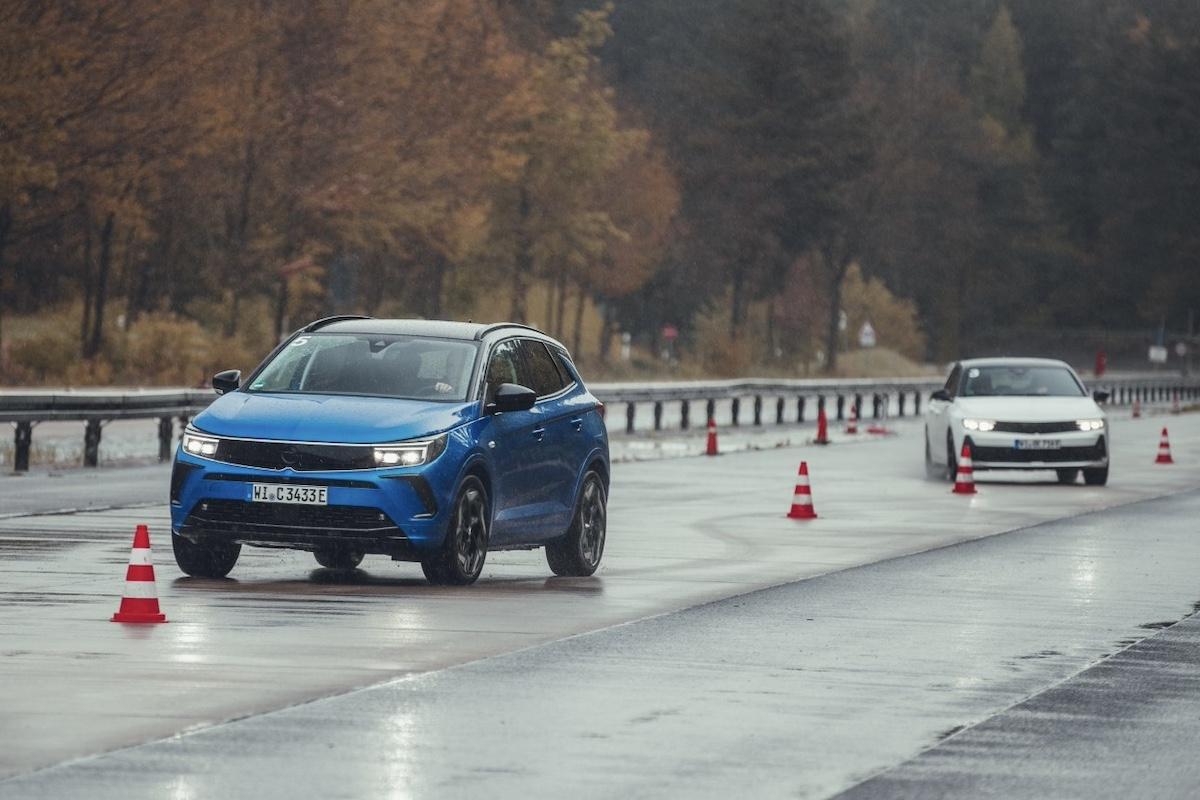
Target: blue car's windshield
x,y
406,367
1016,381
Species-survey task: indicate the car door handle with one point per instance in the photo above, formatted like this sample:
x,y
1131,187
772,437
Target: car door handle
x,y
538,433
577,423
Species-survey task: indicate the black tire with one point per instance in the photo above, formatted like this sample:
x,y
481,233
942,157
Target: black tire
x,y
337,557
461,557
951,473
1067,476
1095,476
213,560
932,470
579,551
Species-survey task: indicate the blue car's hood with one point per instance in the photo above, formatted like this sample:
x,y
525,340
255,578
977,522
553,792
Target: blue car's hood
x,y
329,418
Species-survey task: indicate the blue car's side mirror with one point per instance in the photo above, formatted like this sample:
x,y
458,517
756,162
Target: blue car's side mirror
x,y
511,397
227,381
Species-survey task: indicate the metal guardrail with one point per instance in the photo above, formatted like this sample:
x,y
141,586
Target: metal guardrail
x,y
871,398
94,407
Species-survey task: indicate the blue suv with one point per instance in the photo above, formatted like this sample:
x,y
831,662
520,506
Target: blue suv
x,y
421,440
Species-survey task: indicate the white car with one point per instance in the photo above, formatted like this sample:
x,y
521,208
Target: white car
x,y
1017,413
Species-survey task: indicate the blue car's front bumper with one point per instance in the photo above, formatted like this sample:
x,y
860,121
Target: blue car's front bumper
x,y
396,511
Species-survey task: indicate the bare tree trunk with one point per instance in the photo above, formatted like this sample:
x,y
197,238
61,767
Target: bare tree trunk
x,y
523,264
836,268
85,322
5,226
606,334
735,306
548,319
560,318
281,309
101,299
577,337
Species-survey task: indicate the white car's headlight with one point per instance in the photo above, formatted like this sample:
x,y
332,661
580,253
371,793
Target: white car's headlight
x,y
198,445
1089,424
982,425
409,454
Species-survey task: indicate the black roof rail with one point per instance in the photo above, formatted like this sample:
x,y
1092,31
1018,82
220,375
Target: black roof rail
x,y
321,323
482,332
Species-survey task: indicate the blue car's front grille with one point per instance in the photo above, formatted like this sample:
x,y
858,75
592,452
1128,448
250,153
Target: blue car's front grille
x,y
238,514
302,457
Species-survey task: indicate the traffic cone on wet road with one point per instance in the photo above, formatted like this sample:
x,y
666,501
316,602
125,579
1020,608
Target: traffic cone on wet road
x,y
139,603
711,448
822,427
852,423
802,505
1164,450
964,481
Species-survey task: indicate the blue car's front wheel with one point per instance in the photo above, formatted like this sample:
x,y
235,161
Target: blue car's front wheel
x,y
461,557
578,553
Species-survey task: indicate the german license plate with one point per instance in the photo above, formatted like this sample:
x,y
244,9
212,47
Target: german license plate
x,y
1038,444
287,493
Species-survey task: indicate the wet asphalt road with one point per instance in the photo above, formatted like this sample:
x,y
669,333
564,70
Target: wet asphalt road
x,y
682,532
1127,727
800,690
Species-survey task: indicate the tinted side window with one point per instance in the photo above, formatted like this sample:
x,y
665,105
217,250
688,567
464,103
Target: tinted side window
x,y
503,367
952,381
565,367
539,371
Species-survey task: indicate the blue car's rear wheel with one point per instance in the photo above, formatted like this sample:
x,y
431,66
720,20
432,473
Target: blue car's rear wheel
x,y
579,552
461,557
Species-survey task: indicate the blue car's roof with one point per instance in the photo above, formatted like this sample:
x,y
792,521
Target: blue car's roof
x,y
443,329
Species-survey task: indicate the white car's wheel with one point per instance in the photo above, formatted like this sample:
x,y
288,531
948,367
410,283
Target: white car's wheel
x,y
932,470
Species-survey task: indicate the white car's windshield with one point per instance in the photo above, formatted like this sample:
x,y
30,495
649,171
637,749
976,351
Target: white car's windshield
x,y
371,364
1014,381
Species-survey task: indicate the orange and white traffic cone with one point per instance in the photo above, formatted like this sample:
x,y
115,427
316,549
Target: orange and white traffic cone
x,y
140,601
802,505
1164,450
1137,409
852,422
711,448
822,427
964,481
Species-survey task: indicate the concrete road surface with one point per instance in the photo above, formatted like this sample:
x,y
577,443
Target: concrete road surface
x,y
682,533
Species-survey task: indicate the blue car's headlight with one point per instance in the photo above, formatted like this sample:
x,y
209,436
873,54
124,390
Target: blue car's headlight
x,y
199,445
410,454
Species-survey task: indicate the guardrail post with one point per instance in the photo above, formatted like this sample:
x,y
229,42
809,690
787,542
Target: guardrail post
x,y
735,410
800,409
858,406
876,400
166,428
917,403
21,443
779,404
901,398
685,410
91,443
757,410
630,411
841,407
710,409
658,415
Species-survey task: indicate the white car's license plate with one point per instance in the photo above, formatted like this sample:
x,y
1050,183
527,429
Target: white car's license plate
x,y
1038,444
285,493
